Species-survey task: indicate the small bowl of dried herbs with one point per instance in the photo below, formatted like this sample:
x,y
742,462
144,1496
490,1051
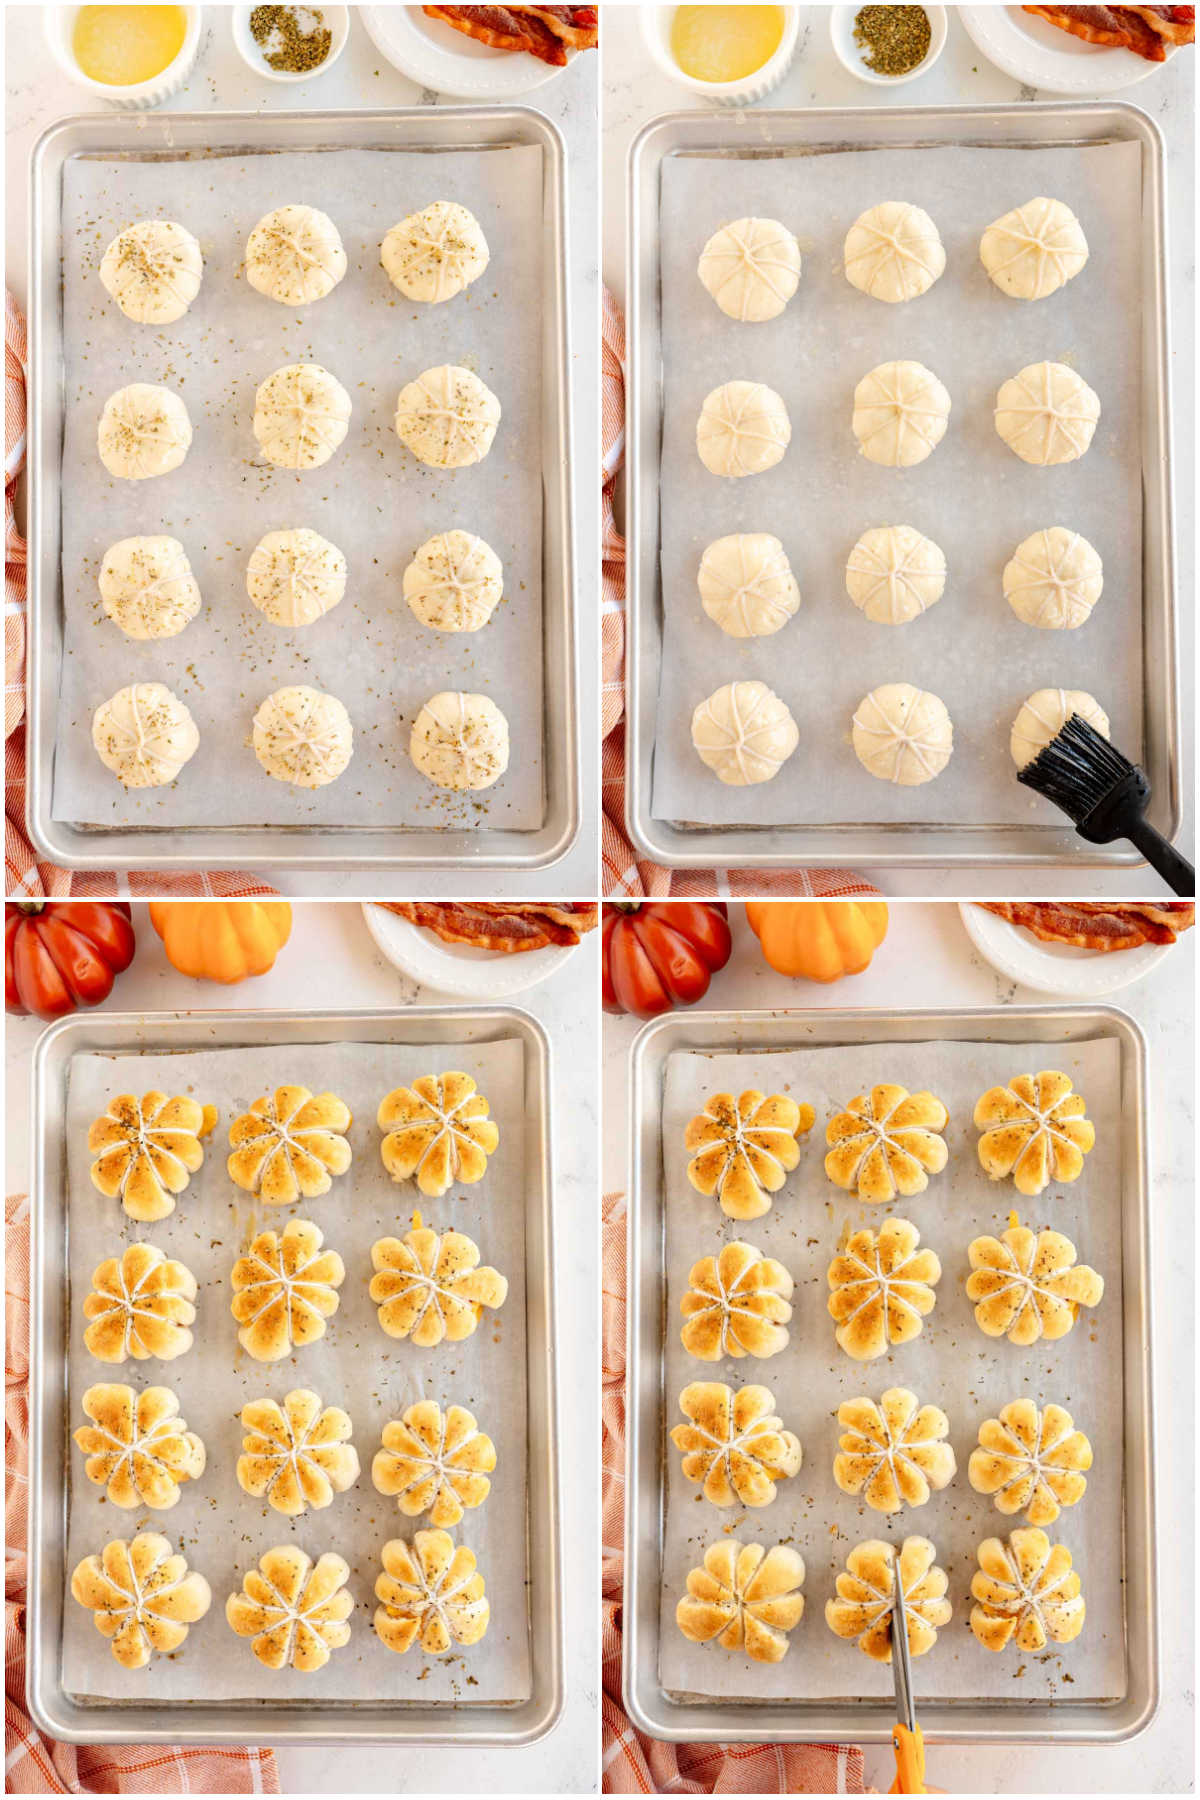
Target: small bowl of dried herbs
x,y
290,43
885,45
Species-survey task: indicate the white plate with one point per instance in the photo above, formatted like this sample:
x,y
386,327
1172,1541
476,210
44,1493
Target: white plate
x,y
463,970
433,53
1062,969
1034,51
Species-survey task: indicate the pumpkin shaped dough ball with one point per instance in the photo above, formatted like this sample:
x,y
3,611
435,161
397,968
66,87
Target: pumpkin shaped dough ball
x,y
145,735
295,577
893,252
460,741
153,271
1043,716
746,1597
142,1596
746,584
434,254
901,411
437,1132
743,429
303,736
447,417
144,431
902,734
751,268
454,582
1047,414
147,587
894,574
1034,250
744,733
294,255
301,416
1054,579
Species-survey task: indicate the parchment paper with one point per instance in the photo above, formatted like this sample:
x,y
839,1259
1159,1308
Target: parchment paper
x,y
222,1530
972,496
951,1365
373,498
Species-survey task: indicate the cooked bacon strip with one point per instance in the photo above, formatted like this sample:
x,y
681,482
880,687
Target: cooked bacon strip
x,y
492,926
1092,925
1174,24
1143,29
504,28
577,26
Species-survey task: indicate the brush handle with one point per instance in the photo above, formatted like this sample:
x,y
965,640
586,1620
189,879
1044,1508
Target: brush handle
x,y
1175,870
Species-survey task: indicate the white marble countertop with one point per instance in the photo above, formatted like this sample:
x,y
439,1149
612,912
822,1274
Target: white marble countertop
x,y
341,968
927,960
38,94
635,91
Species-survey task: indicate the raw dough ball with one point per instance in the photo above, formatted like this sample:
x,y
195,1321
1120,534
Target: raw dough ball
x,y
447,417
147,586
454,582
144,734
303,736
144,431
751,268
436,253
743,429
301,415
900,414
152,270
893,574
295,577
744,732
1034,250
295,255
1047,413
902,734
1054,579
893,252
460,740
746,584
1043,716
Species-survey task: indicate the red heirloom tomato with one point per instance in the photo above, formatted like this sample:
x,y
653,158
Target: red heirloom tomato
x,y
661,953
62,954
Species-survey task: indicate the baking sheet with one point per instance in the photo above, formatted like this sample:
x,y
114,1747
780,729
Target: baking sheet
x,y
972,495
222,1530
951,1364
373,499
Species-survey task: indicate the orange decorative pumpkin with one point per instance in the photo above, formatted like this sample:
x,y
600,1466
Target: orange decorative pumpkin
x,y
818,940
222,940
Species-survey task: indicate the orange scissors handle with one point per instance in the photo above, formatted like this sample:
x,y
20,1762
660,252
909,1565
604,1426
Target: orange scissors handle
x,y
910,1760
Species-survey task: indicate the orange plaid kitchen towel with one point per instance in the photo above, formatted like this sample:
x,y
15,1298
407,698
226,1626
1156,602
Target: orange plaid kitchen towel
x,y
35,1764
624,871
25,877
633,1764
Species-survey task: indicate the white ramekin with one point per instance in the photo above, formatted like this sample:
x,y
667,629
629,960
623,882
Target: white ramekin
x,y
849,51
336,17
656,34
60,29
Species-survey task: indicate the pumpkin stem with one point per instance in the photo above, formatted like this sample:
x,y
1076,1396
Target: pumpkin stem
x,y
29,909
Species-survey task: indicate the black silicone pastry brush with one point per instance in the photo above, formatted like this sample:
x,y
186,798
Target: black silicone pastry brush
x,y
1105,795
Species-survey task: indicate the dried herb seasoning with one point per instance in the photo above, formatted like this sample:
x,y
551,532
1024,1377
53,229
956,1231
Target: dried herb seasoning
x,y
895,39
295,38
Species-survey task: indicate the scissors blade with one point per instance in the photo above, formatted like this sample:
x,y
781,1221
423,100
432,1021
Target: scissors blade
x,y
901,1660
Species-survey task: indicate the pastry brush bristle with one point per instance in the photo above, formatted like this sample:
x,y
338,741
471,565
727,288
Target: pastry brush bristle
x,y
1077,769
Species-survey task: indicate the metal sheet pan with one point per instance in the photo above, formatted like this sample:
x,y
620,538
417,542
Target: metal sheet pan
x,y
806,133
179,134
807,1721
301,1722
